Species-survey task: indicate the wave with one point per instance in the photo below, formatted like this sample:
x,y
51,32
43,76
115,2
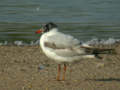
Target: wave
x,y
94,41
19,43
109,41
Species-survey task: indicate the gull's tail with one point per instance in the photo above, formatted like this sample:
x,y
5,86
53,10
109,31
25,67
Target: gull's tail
x,y
97,51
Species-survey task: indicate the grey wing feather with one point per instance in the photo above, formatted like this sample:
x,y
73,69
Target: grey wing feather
x,y
62,40
65,45
66,52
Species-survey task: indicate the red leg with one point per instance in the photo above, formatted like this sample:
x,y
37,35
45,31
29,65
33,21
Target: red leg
x,y
65,67
59,70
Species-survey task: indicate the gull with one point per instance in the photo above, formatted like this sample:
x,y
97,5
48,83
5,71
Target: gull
x,y
64,48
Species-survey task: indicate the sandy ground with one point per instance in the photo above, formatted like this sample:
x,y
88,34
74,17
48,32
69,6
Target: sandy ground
x,y
27,68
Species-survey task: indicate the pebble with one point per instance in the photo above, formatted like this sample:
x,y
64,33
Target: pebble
x,y
100,65
41,67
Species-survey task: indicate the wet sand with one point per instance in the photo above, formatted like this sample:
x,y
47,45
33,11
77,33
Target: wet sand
x,y
27,68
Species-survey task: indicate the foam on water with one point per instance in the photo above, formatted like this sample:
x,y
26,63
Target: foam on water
x,y
20,43
109,41
94,41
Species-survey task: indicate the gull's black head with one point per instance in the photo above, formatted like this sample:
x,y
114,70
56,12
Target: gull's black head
x,y
46,28
49,26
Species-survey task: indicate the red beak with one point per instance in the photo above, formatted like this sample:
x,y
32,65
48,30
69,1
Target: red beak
x,y
39,31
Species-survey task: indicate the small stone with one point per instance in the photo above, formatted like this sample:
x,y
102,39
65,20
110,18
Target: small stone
x,y
41,67
100,65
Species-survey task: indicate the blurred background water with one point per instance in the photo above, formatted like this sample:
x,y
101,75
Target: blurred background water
x,y
84,19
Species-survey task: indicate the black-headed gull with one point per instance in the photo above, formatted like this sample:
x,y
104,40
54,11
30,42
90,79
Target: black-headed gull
x,y
64,48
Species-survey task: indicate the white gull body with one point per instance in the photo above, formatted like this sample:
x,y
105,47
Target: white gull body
x,y
66,47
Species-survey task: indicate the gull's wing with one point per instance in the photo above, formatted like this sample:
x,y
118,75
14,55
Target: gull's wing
x,y
64,45
61,40
65,51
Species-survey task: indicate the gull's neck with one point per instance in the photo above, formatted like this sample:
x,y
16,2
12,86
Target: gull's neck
x,y
54,30
51,32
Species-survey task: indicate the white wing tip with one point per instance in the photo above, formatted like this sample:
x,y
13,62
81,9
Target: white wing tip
x,y
89,56
85,45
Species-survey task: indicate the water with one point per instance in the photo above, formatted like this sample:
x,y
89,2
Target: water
x,y
84,19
